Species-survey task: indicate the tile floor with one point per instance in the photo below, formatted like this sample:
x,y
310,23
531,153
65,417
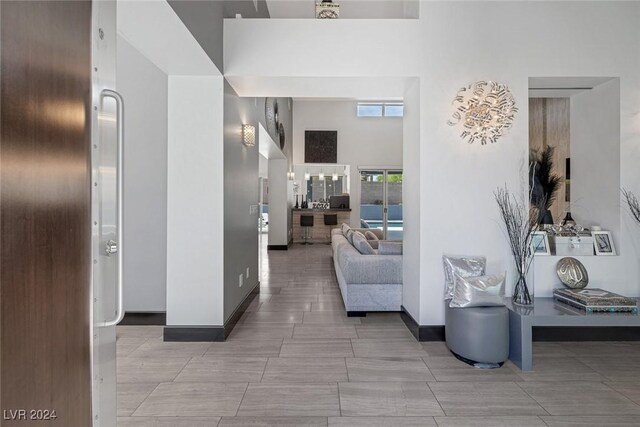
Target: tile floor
x,y
295,359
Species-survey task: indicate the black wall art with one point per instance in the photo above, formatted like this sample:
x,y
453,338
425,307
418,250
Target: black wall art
x,y
321,146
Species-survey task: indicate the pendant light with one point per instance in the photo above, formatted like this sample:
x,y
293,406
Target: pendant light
x,y
321,176
307,175
334,175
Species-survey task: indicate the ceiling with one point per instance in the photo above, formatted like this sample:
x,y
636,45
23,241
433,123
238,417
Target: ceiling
x,y
562,87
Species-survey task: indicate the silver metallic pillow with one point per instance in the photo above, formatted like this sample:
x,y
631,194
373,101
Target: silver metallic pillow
x,y
483,291
464,266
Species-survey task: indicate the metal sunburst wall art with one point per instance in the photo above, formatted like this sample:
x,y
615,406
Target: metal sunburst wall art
x,y
485,110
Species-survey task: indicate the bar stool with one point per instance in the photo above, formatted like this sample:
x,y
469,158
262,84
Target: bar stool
x,y
306,221
330,219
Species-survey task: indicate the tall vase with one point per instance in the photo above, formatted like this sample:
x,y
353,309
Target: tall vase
x,y
523,290
297,205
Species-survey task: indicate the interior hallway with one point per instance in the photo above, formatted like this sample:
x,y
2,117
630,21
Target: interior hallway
x,y
296,359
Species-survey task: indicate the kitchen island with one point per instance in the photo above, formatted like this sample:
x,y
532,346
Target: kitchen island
x,y
320,233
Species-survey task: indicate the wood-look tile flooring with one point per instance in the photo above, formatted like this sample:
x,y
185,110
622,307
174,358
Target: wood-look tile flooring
x,y
296,359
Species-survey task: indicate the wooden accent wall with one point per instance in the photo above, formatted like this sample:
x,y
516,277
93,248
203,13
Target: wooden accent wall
x,y
549,124
45,286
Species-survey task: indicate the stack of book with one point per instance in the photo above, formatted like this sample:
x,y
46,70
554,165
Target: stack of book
x,y
596,300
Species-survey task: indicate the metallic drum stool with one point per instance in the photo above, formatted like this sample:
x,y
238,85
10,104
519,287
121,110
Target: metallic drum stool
x,y
478,334
306,221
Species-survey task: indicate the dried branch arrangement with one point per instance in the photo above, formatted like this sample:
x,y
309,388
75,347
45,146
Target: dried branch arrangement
x,y
633,203
520,222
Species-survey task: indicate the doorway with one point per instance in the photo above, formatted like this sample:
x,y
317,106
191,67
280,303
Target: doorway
x,y
381,201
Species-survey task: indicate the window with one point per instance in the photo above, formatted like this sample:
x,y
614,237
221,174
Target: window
x,y
380,109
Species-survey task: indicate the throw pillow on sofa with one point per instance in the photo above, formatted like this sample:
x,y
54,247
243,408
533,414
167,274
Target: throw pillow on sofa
x,y
370,235
464,266
362,244
482,291
349,235
345,228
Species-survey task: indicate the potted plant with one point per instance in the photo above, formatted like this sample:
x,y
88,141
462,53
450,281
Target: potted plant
x,y
543,183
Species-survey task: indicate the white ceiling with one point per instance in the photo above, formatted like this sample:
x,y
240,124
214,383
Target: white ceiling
x,y
562,87
349,9
174,49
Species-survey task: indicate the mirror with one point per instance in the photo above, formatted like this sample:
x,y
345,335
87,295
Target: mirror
x,y
574,142
318,181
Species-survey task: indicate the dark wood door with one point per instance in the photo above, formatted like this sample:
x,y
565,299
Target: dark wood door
x,y
45,283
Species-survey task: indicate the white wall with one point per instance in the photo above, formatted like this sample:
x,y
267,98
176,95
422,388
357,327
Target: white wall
x,y
279,203
263,166
411,203
362,141
144,88
349,9
532,39
195,208
456,180
595,157
362,47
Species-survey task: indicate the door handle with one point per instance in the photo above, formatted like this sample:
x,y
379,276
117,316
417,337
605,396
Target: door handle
x,y
112,246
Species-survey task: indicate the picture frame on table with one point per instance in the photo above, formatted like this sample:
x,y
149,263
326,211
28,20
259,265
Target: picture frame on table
x,y
603,243
540,243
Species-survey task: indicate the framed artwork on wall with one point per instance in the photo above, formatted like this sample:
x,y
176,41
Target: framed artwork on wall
x,y
603,243
320,146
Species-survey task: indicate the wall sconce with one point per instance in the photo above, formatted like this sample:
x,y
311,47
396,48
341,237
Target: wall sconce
x,y
249,135
291,175
486,111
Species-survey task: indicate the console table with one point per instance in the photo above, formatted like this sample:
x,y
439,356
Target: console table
x,y
547,312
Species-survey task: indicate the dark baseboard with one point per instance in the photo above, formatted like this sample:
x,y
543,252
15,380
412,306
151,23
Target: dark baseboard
x,y
586,333
240,310
144,318
277,247
540,333
422,332
356,314
193,333
410,322
210,333
280,247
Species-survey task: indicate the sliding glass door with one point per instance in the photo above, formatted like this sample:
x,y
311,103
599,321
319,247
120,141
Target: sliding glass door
x,y
381,201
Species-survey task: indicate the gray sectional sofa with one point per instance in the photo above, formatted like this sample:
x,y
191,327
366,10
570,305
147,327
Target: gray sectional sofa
x,y
368,282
